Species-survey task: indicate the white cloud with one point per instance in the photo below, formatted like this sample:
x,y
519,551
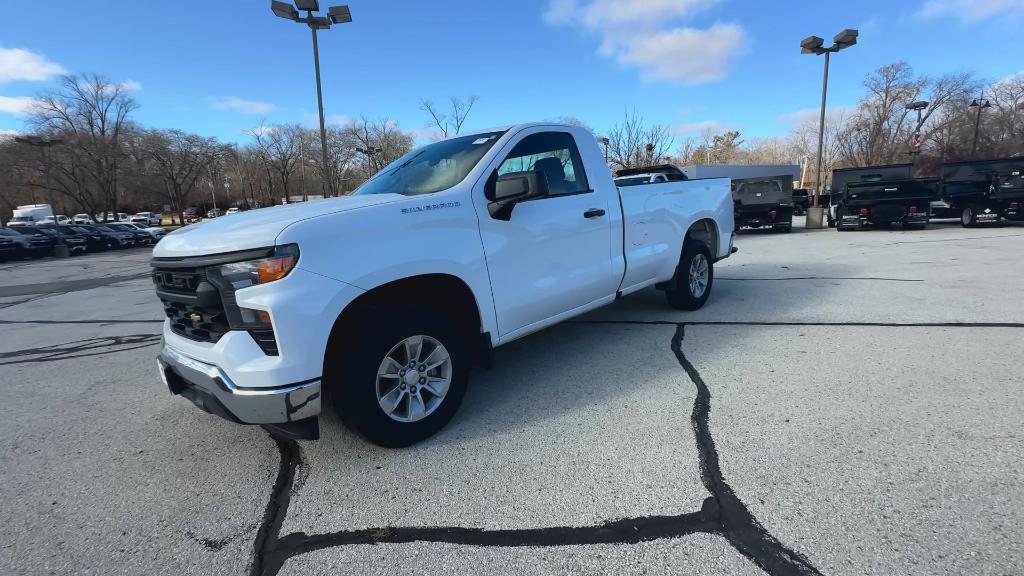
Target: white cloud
x,y
687,55
20,64
813,114
426,135
698,127
244,106
336,120
970,10
17,105
130,86
6,134
646,34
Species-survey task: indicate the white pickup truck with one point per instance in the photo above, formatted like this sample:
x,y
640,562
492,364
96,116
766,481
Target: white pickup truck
x,y
382,300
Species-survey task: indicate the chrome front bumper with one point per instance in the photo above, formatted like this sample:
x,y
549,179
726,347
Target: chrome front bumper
x,y
209,388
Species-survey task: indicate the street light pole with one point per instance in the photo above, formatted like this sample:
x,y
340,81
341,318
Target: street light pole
x,y
815,45
320,105
336,15
42,144
979,103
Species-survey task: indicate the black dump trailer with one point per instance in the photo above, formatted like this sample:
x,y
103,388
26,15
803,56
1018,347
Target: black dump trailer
x,y
884,203
763,202
981,191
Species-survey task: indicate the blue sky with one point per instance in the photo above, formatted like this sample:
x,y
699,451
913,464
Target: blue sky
x,y
684,63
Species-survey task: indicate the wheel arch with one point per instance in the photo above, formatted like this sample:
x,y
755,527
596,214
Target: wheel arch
x,y
444,292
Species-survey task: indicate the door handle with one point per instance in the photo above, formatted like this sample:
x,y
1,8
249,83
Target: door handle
x,y
593,213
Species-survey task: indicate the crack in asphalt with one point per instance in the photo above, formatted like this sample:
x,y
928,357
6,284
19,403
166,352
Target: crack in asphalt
x,y
723,513
65,286
80,349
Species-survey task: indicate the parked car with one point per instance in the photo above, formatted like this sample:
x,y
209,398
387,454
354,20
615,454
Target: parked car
x,y
122,238
151,218
463,245
41,240
232,210
75,240
141,238
157,232
13,244
214,213
111,217
58,219
82,219
190,215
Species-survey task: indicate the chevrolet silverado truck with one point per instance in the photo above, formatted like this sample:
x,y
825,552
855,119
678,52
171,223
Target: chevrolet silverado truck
x,y
378,303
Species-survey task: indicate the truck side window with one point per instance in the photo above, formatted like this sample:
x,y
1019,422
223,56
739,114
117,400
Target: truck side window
x,y
553,153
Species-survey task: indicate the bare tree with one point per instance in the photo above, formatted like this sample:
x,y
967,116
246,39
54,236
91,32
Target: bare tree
x,y
632,143
279,146
450,122
92,113
181,160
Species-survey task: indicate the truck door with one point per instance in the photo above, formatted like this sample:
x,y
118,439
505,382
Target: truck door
x,y
555,252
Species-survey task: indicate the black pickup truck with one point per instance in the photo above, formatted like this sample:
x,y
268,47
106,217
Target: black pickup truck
x,y
981,191
763,202
881,204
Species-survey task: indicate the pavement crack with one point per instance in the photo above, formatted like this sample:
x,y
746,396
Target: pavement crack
x,y
266,559
723,513
738,525
79,349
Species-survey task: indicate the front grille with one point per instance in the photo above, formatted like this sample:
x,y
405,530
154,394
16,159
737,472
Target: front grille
x,y
192,304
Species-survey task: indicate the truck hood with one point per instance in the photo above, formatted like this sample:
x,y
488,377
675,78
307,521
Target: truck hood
x,y
255,228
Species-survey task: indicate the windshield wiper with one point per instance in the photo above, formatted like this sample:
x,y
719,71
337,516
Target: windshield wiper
x,y
406,163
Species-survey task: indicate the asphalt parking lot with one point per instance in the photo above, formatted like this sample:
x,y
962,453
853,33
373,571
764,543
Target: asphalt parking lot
x,y
844,404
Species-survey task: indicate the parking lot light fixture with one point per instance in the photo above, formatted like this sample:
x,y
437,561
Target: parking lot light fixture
x,y
337,15
815,45
917,139
979,103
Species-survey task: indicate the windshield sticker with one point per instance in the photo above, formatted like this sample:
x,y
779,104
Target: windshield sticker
x,y
484,140
428,207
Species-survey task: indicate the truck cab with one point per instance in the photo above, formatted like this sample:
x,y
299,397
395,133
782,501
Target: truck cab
x,y
385,298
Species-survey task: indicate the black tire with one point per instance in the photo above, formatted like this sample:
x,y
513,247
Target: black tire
x,y
353,367
968,217
681,297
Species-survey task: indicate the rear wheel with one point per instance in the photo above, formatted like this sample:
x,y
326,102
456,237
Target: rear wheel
x,y
694,277
401,379
968,219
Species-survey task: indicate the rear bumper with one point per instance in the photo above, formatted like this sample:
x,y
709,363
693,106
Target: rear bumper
x,y
295,406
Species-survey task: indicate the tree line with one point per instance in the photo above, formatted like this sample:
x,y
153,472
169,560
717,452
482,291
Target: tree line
x,y
102,161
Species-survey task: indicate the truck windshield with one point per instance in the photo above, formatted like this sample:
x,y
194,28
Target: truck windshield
x,y
432,168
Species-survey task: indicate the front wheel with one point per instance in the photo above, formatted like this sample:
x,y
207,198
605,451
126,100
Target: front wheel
x,y
402,377
693,278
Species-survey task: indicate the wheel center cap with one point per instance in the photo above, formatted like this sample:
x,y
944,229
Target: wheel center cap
x,y
411,377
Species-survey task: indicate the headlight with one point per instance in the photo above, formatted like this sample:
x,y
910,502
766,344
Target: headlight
x,y
261,271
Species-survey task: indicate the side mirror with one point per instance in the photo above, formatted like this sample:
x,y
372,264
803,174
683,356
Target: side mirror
x,y
506,190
